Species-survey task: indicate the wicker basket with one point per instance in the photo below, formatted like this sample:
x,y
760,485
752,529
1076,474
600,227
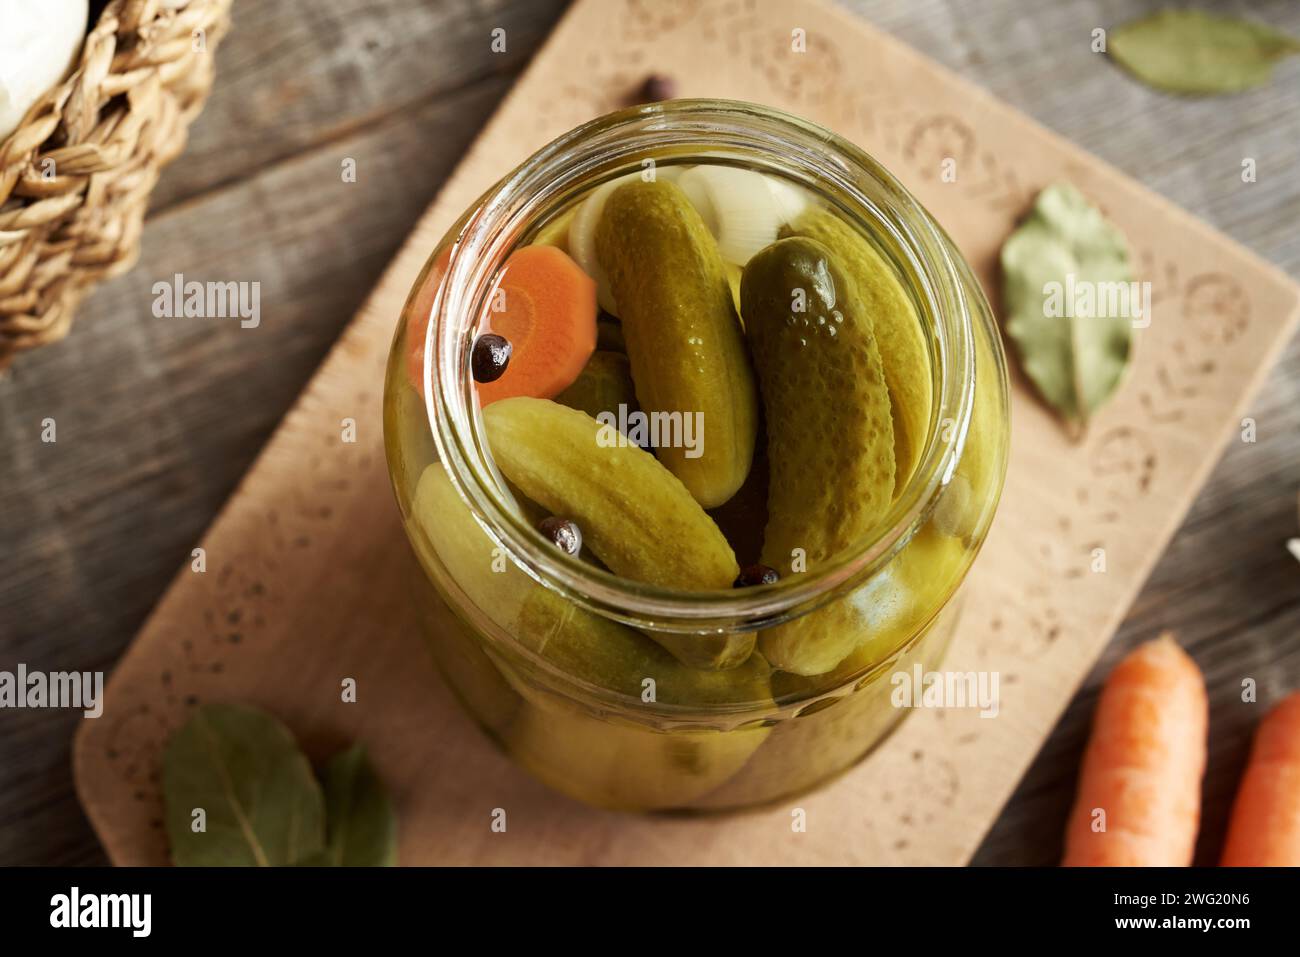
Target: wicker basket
x,y
144,73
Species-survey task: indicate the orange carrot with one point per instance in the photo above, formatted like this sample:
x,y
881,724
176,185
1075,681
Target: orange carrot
x,y
1139,797
546,306
1265,827
417,322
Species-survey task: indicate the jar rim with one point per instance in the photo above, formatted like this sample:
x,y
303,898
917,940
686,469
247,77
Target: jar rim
x,y
613,145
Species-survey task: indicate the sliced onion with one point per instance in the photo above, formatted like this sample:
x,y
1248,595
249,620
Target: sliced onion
x,y
742,208
582,239
791,200
695,185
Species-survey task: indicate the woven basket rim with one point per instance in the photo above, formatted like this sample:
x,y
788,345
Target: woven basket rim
x,y
77,172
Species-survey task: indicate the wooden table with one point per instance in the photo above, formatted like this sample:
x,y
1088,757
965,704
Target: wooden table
x,y
157,419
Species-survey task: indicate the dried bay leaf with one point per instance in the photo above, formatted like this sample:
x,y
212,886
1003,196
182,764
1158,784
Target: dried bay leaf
x,y
1189,51
1060,271
362,827
263,805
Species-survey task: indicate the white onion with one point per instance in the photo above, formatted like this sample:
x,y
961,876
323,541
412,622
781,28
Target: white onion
x,y
791,200
582,239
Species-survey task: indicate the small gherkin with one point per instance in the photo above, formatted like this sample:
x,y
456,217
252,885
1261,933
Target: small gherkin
x,y
830,432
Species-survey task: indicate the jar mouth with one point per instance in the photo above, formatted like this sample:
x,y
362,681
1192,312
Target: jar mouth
x,y
682,131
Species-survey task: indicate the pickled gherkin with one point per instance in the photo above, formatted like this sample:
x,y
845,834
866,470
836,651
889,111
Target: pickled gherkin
x,y
894,323
604,386
829,432
683,336
637,517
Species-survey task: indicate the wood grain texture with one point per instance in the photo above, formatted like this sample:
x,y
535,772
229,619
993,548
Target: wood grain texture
x,y
1226,584
307,74
157,421
306,554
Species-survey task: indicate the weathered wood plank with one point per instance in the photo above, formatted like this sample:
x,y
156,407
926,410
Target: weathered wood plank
x,y
1010,570
1227,586
158,418
1230,590
299,75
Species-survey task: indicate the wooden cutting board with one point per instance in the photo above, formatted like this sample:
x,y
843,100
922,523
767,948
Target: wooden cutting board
x,y
305,578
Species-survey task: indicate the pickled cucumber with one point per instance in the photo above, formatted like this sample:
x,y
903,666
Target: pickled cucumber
x,y
829,429
617,764
604,384
556,232
446,534
829,736
609,655
896,604
897,330
683,337
409,442
734,273
477,679
583,644
830,434
635,515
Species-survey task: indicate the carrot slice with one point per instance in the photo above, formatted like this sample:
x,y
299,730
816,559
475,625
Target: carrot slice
x,y
1139,798
417,321
546,306
1264,830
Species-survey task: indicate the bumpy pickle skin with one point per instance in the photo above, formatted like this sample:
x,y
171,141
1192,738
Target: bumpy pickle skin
x,y
899,602
683,336
447,534
635,515
894,322
616,764
587,646
622,764
609,655
829,429
619,763
604,384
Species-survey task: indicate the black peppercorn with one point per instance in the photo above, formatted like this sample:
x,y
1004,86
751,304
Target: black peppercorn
x,y
489,357
565,534
756,575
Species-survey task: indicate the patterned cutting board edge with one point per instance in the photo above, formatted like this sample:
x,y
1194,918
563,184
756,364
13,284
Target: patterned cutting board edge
x,y
305,581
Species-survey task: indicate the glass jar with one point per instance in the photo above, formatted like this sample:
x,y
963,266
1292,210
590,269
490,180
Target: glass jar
x,y
543,649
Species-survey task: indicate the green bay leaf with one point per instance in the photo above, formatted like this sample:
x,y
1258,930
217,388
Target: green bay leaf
x,y
1193,52
1069,303
262,803
361,824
